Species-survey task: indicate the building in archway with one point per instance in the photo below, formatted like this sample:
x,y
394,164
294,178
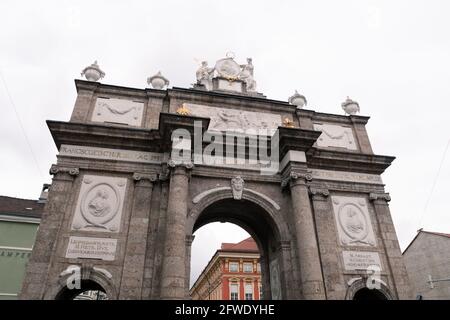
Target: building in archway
x,y
233,273
139,170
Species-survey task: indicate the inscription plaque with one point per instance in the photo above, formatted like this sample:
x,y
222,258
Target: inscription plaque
x,y
91,248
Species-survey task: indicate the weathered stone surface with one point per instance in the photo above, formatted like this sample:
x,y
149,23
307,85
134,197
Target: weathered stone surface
x,y
292,216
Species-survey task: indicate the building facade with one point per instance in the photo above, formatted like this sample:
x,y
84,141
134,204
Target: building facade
x,y
233,273
427,260
140,170
19,221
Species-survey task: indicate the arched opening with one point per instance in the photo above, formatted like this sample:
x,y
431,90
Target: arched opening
x,y
369,294
260,225
225,264
89,290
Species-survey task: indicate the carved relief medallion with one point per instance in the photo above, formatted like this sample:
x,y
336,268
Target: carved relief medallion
x,y
100,202
228,68
353,221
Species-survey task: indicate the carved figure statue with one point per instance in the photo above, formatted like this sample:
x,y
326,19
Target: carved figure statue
x,y
99,205
204,75
247,75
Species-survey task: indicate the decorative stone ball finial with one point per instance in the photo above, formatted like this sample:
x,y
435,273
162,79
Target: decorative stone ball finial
x,y
93,72
158,81
350,107
297,100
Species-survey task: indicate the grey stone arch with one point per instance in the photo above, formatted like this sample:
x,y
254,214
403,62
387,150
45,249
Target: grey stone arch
x,y
262,219
359,285
92,278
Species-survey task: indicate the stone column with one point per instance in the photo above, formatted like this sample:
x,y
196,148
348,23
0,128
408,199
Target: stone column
x,y
308,252
33,287
173,276
134,262
189,240
390,244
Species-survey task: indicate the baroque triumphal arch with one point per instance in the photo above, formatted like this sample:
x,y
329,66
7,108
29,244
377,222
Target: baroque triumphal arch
x,y
138,171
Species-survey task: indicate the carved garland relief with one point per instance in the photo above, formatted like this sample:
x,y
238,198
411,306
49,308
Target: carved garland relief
x,y
335,136
118,111
100,203
353,221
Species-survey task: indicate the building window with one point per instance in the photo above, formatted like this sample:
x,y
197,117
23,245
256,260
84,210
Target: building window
x,y
234,291
248,267
249,291
234,267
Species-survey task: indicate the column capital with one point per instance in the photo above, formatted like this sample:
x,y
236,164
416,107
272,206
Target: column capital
x,y
319,193
67,172
383,197
144,179
294,178
174,164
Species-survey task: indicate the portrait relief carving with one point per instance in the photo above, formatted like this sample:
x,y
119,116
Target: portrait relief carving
x,y
335,136
237,187
118,111
100,204
353,221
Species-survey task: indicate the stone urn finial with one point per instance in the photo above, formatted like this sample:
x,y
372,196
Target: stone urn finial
x,y
158,81
350,107
297,100
93,72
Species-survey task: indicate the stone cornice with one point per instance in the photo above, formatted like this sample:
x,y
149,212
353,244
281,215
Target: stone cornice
x,y
348,161
329,117
104,136
296,139
230,100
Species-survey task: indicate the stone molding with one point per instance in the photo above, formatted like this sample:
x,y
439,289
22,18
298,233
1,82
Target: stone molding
x,y
382,197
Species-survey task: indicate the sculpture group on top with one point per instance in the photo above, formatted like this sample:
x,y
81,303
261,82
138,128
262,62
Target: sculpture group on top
x,y
229,69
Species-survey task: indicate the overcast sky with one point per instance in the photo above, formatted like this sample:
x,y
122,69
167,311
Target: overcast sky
x,y
393,57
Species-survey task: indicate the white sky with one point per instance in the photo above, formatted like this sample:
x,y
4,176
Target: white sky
x,y
393,57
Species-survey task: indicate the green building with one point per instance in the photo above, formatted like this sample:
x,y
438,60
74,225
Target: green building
x,y
19,221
